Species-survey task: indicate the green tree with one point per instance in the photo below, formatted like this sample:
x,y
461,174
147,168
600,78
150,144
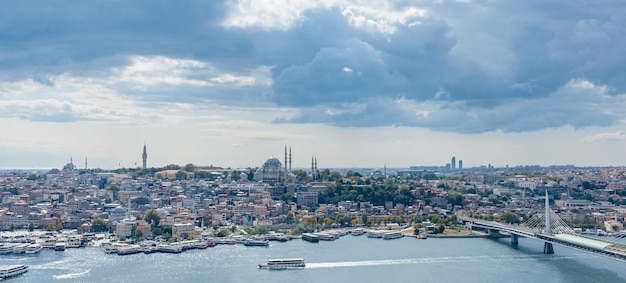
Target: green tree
x,y
289,218
364,219
140,200
334,176
12,227
324,174
235,175
31,226
98,225
167,230
289,196
172,167
190,167
58,228
181,175
509,217
152,217
114,188
32,177
440,228
138,234
301,175
156,231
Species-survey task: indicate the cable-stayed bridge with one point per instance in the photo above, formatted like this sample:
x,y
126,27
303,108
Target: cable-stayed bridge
x,y
551,229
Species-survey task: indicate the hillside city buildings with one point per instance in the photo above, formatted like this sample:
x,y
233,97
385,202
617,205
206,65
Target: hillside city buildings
x,y
274,196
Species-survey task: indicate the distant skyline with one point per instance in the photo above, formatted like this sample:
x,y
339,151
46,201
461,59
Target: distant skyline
x,y
355,83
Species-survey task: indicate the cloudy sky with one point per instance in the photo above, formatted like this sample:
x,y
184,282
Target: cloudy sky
x,y
357,83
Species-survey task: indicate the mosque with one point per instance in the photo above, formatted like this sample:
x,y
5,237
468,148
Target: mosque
x,y
272,171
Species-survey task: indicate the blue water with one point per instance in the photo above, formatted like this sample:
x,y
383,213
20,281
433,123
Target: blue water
x,y
348,259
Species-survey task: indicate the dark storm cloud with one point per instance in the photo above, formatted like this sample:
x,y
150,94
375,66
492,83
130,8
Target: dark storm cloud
x,y
459,67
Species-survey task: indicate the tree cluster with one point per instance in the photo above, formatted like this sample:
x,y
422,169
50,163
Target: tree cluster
x,y
376,194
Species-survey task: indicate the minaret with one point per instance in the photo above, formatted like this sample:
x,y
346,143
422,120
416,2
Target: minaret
x,y
144,156
285,158
316,171
290,159
312,169
85,163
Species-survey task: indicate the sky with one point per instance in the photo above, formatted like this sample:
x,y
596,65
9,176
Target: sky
x,y
354,83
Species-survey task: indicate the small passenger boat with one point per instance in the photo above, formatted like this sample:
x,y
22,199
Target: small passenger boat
x,y
283,264
256,243
12,270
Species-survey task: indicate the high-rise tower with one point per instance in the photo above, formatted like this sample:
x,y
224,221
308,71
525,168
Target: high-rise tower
x,y
453,163
144,156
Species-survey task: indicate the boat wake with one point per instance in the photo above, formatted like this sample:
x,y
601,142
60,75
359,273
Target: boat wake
x,y
71,275
433,260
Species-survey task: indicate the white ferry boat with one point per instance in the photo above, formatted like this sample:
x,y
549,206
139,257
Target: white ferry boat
x,y
357,232
283,264
374,234
326,236
128,249
6,248
392,235
59,247
33,248
256,243
48,242
172,249
12,270
310,237
111,248
20,248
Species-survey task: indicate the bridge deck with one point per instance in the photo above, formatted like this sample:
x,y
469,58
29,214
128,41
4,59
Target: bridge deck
x,y
604,248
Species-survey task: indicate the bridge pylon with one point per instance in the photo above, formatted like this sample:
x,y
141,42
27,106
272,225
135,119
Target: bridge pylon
x,y
548,248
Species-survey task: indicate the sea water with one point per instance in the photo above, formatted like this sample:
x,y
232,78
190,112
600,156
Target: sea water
x,y
347,259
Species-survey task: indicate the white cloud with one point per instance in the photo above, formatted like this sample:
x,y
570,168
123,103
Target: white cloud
x,y
383,18
378,16
616,136
19,87
149,71
275,14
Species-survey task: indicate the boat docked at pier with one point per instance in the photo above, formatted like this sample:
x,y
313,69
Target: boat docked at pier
x,y
357,232
128,249
12,270
310,237
170,249
20,248
392,235
374,234
327,236
6,248
59,247
283,264
256,243
33,248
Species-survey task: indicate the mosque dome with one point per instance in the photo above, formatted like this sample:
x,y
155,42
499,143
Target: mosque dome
x,y
119,209
270,171
162,212
272,161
